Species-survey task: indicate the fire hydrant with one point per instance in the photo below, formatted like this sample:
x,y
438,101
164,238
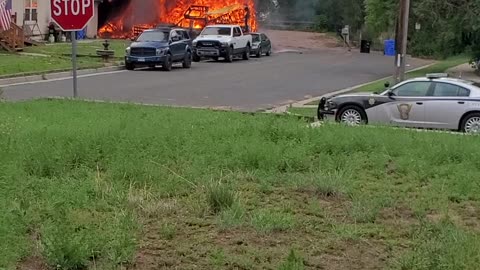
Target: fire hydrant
x,y
51,32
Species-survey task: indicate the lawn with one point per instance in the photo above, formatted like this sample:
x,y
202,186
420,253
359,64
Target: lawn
x,y
116,186
303,111
438,67
58,57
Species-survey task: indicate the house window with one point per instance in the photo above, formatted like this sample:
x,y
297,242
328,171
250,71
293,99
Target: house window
x,y
31,10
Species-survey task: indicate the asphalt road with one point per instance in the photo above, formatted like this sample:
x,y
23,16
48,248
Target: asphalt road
x,y
243,85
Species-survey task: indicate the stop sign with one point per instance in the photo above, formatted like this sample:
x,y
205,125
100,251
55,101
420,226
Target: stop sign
x,y
72,15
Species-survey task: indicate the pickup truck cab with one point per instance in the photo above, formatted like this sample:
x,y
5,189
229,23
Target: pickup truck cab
x,y
160,46
225,41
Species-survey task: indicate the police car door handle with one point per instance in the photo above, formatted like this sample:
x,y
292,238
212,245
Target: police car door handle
x,y
419,103
461,102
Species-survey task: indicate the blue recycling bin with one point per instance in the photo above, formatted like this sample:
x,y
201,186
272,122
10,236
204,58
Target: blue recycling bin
x,y
82,34
389,47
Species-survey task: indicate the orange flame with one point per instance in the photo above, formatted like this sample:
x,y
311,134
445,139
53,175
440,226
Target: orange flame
x,y
194,14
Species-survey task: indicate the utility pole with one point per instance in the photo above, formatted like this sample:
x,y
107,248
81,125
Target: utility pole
x,y
401,39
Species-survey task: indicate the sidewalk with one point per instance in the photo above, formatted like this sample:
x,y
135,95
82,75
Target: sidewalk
x,y
465,72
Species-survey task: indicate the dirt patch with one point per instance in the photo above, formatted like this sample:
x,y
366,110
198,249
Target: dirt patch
x,y
352,255
464,215
300,41
34,261
200,243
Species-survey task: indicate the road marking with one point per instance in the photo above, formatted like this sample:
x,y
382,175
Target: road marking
x,y
64,78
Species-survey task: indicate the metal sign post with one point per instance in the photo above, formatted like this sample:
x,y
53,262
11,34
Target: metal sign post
x,y
73,16
74,63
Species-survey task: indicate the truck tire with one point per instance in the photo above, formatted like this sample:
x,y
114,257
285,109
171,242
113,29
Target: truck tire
x,y
130,66
187,62
229,55
167,63
246,53
196,58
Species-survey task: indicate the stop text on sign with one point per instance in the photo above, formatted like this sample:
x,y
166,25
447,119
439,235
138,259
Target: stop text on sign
x,y
71,7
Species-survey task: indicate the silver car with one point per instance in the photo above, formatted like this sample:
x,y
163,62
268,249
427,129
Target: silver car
x,y
435,102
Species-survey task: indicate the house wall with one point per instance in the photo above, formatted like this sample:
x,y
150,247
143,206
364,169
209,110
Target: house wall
x,y
43,17
92,26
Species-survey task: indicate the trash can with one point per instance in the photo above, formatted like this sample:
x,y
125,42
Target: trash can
x,y
365,46
81,34
389,47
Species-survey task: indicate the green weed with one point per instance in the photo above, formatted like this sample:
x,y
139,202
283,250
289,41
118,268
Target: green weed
x,y
442,246
217,258
292,262
220,196
267,221
365,209
233,216
168,231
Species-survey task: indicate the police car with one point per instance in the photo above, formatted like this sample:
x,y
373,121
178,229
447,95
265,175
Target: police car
x,y
435,101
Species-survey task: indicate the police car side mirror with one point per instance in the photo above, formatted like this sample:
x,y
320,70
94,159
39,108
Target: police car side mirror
x,y
390,94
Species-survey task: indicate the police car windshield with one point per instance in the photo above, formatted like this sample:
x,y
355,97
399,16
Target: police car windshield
x,y
153,36
220,31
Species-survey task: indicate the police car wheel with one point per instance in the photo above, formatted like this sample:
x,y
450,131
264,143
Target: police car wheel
x,y
471,124
352,116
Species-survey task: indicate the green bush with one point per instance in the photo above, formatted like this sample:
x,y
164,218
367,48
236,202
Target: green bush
x,y
220,196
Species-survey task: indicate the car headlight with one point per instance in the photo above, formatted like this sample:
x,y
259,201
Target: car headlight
x,y
127,51
194,43
224,44
160,52
255,45
330,105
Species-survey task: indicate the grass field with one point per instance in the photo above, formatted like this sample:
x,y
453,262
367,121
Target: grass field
x,y
438,67
304,111
58,57
104,186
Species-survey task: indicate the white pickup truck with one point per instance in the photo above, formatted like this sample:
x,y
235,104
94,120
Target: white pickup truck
x,y
225,41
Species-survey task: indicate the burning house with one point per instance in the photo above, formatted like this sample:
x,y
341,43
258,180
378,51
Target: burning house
x,y
127,18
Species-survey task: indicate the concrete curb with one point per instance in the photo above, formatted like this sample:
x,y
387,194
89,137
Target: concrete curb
x,y
56,75
284,108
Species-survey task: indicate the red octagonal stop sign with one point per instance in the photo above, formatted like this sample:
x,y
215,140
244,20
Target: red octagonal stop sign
x,y
72,15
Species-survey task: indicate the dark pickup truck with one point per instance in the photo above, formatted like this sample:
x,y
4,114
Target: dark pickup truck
x,y
160,46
